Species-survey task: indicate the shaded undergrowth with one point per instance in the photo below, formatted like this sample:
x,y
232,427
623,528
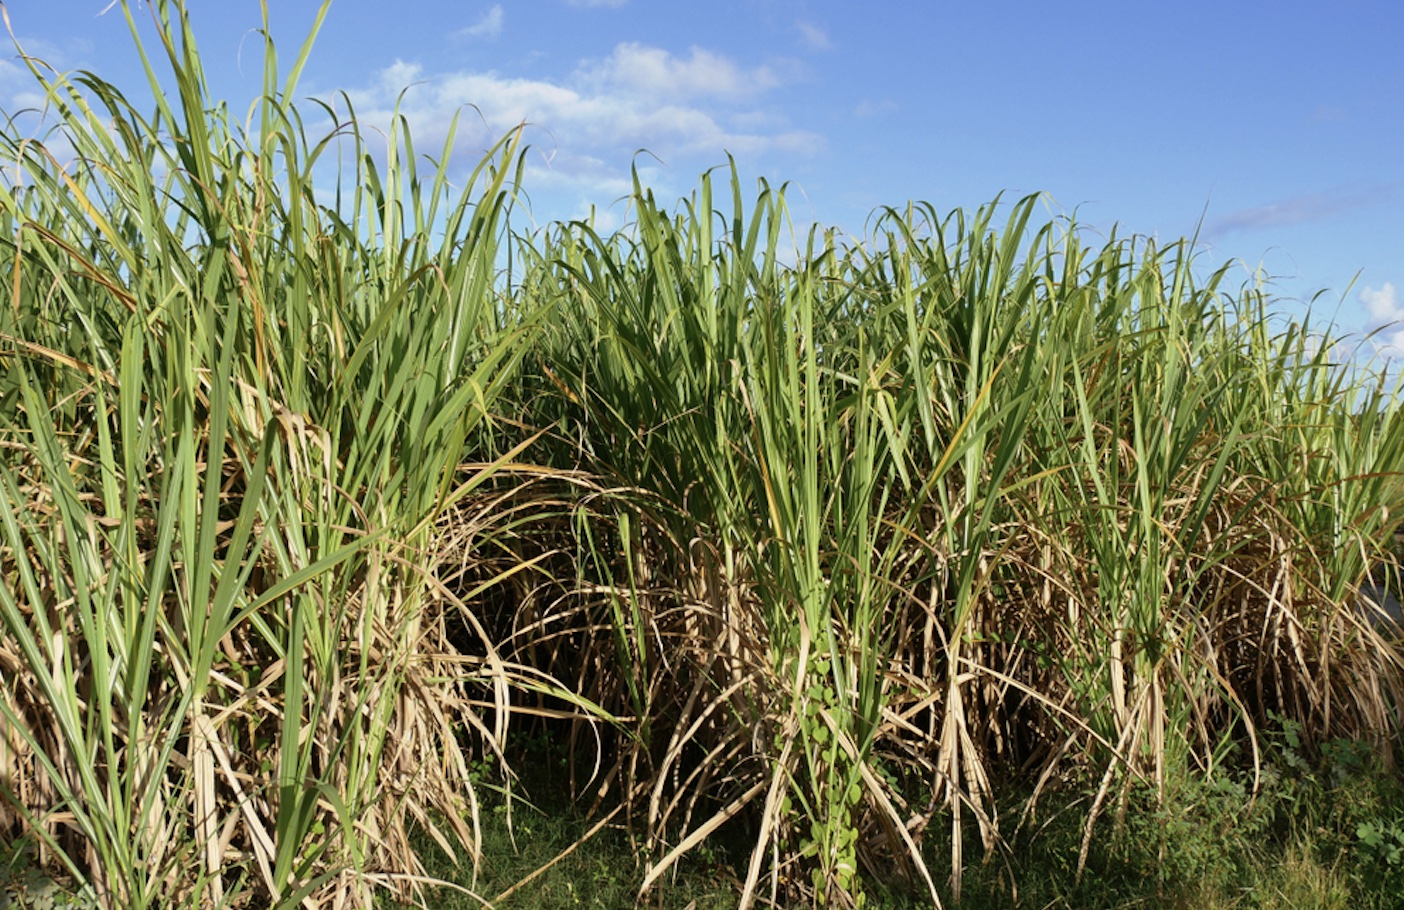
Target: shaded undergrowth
x,y
1321,832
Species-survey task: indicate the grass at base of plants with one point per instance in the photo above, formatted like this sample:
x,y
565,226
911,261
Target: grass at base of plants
x,y
552,855
600,873
1324,832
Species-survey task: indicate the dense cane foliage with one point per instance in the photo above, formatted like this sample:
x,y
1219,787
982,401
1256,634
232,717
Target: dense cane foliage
x,y
314,499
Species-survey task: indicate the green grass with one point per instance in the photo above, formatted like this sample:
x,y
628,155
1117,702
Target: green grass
x,y
824,560
1214,845
552,854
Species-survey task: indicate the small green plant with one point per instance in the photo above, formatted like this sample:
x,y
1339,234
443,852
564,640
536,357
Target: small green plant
x,y
1383,843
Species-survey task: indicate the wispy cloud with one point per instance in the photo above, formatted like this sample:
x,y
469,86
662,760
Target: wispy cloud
x,y
489,26
17,82
23,98
1299,210
870,108
813,37
18,90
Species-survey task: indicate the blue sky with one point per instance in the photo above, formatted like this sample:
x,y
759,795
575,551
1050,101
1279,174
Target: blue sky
x,y
1276,128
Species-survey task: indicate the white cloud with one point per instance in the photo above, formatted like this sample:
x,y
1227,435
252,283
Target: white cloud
x,y
1389,344
594,119
1384,304
638,70
1386,311
669,116
587,128
813,37
489,26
